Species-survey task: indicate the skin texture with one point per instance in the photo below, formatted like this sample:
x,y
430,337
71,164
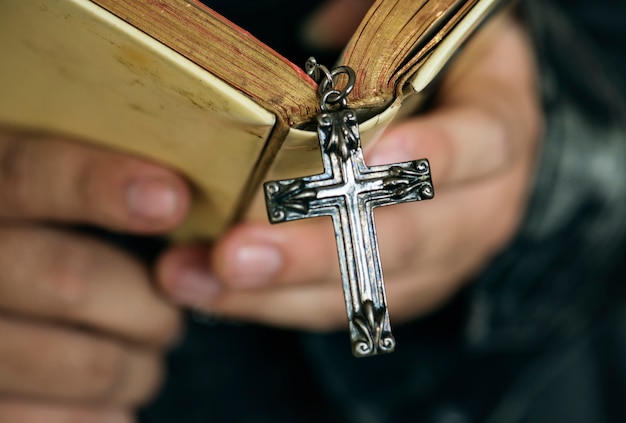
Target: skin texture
x,y
82,325
480,138
82,328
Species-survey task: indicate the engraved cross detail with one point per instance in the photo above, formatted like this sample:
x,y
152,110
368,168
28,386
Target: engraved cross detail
x,y
348,191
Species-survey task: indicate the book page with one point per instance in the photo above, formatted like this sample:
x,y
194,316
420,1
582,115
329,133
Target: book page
x,y
71,67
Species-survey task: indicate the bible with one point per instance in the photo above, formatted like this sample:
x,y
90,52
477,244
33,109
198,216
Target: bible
x,y
174,82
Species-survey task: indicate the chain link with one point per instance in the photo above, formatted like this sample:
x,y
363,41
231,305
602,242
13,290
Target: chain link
x,y
331,96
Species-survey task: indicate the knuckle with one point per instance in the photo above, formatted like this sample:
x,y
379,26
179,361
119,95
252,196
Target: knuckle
x,y
168,327
88,186
109,373
73,290
15,167
103,370
68,267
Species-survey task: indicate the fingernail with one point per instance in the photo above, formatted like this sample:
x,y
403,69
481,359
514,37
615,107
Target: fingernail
x,y
195,287
256,265
153,199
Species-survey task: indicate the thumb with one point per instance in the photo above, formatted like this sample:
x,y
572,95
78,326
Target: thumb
x,y
462,143
486,113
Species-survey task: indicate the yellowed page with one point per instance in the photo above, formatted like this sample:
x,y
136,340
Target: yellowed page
x,y
449,46
71,67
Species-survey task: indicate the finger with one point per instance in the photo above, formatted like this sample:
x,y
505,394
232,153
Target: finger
x,y
47,178
54,275
254,256
20,411
54,363
428,251
321,306
300,253
461,143
316,307
486,112
421,288
251,256
425,232
417,236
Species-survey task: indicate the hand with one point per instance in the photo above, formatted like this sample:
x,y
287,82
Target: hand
x,y
82,329
480,138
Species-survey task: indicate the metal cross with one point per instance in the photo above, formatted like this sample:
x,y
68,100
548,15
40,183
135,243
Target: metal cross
x,y
348,191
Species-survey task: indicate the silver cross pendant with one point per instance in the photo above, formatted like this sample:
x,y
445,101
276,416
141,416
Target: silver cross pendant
x,y
348,191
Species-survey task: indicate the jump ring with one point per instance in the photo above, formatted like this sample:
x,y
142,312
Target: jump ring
x,y
332,98
324,87
313,69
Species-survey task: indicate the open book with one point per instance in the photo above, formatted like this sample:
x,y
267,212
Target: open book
x,y
175,82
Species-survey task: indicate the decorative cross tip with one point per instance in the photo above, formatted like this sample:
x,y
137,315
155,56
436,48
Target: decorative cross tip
x,y
348,191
